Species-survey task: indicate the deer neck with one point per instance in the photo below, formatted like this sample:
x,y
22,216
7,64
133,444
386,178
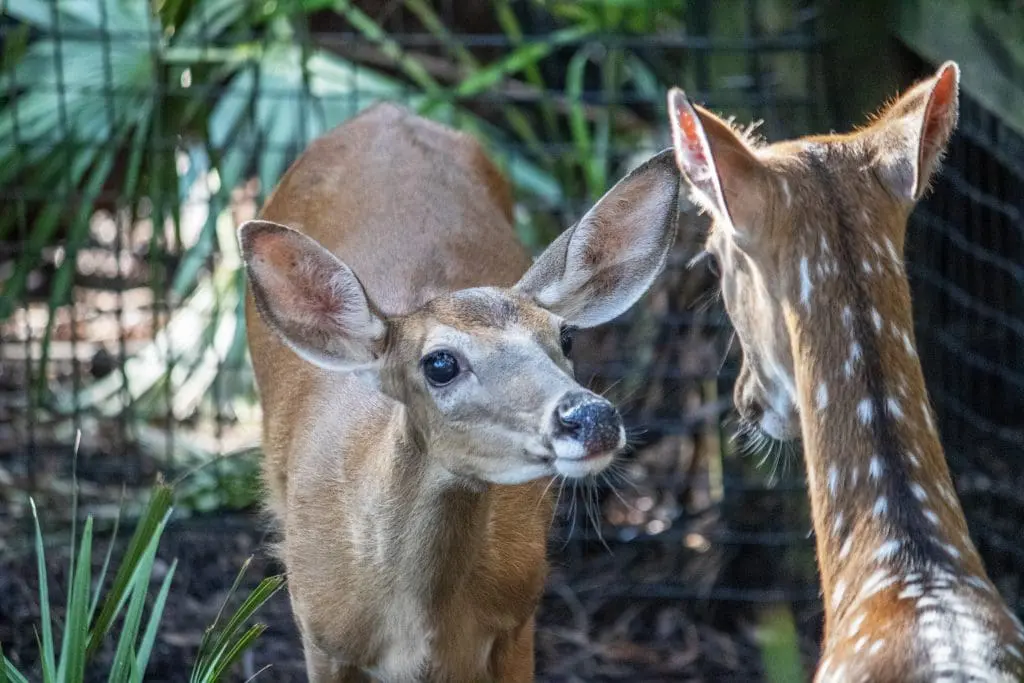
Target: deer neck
x,y
882,499
438,532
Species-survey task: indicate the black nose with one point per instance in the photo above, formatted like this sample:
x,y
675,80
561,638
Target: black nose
x,y
590,420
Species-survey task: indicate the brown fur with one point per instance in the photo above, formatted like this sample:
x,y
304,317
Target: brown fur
x,y
409,555
810,235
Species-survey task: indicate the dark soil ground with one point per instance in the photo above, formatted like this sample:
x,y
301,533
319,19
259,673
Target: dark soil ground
x,y
583,634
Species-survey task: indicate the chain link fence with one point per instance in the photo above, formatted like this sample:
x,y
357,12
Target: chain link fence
x,y
134,142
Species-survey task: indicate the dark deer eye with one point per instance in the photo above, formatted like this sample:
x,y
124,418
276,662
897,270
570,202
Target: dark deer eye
x,y
565,339
440,367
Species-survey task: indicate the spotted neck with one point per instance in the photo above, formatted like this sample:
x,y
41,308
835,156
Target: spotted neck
x,y
891,534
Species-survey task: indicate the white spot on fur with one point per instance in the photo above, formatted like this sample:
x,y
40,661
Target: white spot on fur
x,y
865,411
892,406
878,581
859,645
856,624
881,506
847,546
876,647
908,345
837,594
875,468
824,245
805,283
931,516
837,525
979,583
822,396
876,318
892,253
918,491
847,316
910,592
915,460
887,550
953,551
854,476
855,352
866,266
848,369
833,480
927,416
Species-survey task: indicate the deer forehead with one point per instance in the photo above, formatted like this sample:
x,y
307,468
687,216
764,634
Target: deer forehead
x,y
483,310
478,320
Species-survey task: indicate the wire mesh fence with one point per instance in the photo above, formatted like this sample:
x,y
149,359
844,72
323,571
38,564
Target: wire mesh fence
x,y
134,142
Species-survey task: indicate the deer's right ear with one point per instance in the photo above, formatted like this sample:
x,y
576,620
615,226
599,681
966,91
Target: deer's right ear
x,y
598,268
716,162
309,298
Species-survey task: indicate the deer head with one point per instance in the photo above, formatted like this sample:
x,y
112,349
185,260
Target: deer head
x,y
484,374
782,213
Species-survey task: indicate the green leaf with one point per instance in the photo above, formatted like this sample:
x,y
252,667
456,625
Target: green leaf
x,y
47,652
76,624
217,652
8,674
124,659
101,580
149,637
150,526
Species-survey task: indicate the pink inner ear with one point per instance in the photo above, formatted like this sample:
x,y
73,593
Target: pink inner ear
x,y
688,126
296,283
937,114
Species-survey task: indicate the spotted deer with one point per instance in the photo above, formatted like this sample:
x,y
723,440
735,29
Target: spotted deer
x,y
808,236
418,395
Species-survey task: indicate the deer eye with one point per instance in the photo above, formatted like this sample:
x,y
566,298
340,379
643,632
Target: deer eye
x,y
565,339
440,367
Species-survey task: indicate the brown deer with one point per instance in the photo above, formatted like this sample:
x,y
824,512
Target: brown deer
x,y
808,236
418,396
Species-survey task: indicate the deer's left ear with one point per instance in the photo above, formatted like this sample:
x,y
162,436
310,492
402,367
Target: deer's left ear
x,y
915,130
725,175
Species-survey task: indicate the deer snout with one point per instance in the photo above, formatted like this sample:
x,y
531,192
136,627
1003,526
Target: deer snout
x,y
588,422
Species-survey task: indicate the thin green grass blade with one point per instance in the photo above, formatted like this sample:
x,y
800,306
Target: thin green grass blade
x,y
149,636
73,566
46,650
106,560
232,656
581,137
151,523
212,660
206,651
139,587
8,674
76,624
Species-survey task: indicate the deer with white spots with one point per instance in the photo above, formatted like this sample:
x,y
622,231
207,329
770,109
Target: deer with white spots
x,y
809,235
418,397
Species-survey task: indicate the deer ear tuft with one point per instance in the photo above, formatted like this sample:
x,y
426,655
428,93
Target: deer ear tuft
x,y
720,167
915,131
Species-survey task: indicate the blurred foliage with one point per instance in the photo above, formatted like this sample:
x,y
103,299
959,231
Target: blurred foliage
x,y
150,110
780,646
114,611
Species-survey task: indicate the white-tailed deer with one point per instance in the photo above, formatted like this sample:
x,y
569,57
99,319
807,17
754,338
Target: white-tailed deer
x,y
418,394
808,235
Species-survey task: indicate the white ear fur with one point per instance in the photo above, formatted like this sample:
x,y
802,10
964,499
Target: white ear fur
x,y
596,270
914,131
693,155
722,171
310,299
